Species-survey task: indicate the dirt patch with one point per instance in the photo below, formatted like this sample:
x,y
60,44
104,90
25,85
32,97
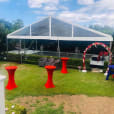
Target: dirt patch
x,y
80,104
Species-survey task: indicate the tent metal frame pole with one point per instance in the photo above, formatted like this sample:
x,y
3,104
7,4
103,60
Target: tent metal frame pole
x,y
50,26
59,48
24,46
36,45
110,44
72,30
7,46
20,51
30,31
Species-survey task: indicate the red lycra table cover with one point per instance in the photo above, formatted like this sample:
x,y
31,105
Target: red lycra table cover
x,y
49,83
64,65
11,82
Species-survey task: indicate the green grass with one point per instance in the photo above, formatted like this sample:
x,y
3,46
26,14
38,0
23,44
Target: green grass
x,y
45,99
48,109
31,79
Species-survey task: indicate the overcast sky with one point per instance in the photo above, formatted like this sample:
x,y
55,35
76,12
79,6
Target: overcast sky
x,y
82,12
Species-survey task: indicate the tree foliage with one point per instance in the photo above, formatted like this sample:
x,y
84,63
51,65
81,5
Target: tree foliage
x,y
3,33
6,28
17,24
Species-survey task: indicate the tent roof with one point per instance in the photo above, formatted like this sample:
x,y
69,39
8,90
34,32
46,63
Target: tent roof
x,y
55,29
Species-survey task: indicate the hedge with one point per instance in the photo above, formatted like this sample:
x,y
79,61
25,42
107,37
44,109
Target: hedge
x,y
30,59
11,108
33,59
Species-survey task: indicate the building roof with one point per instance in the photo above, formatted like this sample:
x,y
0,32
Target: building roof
x,y
51,28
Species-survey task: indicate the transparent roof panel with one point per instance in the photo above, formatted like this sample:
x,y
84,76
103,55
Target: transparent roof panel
x,y
80,32
23,32
60,28
40,28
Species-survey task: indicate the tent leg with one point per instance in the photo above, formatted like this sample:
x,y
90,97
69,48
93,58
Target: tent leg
x,y
20,52
59,49
24,46
110,44
7,46
41,49
36,45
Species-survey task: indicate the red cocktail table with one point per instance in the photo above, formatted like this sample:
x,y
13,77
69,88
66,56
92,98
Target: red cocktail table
x,y
11,82
64,65
49,83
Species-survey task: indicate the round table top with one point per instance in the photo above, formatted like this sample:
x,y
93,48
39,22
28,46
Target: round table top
x,y
11,67
64,58
50,67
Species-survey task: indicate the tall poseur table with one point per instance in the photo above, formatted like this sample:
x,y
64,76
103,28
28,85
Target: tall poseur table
x,y
11,82
64,65
110,71
49,83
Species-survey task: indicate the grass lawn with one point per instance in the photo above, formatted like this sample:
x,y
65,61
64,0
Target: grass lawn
x,y
48,109
31,79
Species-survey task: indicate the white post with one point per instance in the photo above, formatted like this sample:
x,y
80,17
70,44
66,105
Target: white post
x,y
2,97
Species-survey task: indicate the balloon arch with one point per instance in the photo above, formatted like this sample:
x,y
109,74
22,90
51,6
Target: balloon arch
x,y
94,44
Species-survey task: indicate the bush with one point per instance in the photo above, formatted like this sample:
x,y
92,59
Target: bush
x,y
13,57
74,63
11,108
30,59
33,59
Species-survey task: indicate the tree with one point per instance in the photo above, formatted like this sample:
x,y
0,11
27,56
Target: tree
x,y
6,28
17,24
3,33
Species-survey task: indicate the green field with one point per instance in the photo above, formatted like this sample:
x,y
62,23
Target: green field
x,y
31,79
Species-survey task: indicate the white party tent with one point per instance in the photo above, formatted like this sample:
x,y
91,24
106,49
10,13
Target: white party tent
x,y
51,28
